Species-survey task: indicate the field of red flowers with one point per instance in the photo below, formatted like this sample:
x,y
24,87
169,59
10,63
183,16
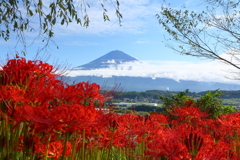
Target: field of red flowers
x,y
43,118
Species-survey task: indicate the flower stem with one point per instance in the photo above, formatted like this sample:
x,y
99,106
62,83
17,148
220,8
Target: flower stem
x,y
65,145
49,138
83,144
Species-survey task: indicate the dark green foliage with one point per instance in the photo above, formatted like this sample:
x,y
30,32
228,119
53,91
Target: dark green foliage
x,y
176,99
131,95
210,103
154,94
146,108
227,109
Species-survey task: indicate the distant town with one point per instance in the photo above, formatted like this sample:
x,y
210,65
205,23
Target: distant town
x,y
149,101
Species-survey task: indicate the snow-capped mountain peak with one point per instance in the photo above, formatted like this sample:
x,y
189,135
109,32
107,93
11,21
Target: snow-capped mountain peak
x,y
109,60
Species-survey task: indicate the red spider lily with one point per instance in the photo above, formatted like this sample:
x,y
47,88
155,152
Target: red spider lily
x,y
160,118
13,93
231,120
134,130
188,112
19,71
55,149
89,93
103,133
11,97
63,118
106,122
217,130
32,76
221,151
62,94
81,93
74,117
170,148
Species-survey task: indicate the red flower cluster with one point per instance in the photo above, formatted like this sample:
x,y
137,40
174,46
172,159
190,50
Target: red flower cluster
x,y
54,119
31,94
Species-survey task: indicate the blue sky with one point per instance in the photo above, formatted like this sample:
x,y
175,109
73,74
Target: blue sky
x,y
140,36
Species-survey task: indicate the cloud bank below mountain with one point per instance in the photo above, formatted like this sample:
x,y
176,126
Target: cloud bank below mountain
x,y
177,70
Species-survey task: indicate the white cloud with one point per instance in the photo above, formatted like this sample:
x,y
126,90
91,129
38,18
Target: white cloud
x,y
135,14
177,70
110,61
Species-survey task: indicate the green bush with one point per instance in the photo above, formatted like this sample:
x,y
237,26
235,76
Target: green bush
x,y
210,103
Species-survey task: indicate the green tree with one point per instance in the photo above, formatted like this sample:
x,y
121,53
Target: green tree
x,y
146,108
131,95
204,34
176,99
18,16
211,103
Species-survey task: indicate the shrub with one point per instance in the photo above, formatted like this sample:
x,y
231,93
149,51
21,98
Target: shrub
x,y
210,103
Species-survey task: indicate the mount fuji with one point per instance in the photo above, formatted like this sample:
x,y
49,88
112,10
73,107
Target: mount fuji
x,y
117,67
112,59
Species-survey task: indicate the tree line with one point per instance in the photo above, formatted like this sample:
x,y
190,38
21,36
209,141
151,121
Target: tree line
x,y
155,94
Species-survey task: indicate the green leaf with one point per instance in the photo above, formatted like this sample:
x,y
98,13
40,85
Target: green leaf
x,y
62,22
52,5
61,6
15,24
49,17
50,34
40,3
30,12
54,21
